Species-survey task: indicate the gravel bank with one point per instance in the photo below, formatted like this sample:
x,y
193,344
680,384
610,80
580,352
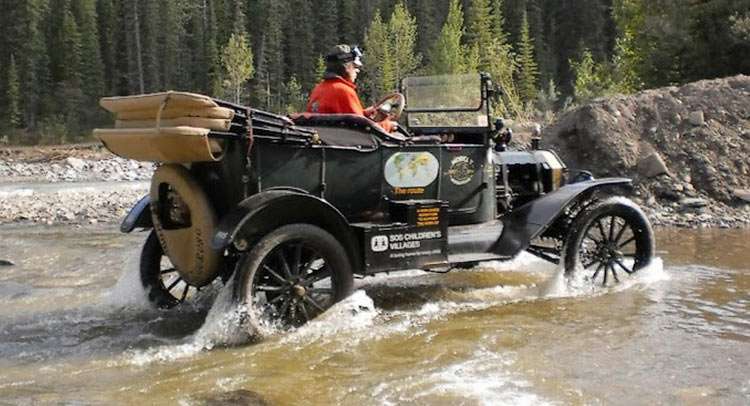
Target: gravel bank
x,y
69,185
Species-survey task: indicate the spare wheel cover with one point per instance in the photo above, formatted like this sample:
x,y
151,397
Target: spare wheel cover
x,y
188,247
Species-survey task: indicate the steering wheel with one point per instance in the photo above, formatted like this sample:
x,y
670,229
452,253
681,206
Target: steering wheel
x,y
389,107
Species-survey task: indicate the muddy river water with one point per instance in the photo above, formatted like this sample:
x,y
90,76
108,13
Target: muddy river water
x,y
74,330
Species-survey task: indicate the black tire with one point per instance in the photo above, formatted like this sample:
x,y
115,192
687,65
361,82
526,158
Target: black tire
x,y
160,279
609,238
292,275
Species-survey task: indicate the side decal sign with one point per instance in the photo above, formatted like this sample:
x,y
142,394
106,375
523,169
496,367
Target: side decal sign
x,y
461,170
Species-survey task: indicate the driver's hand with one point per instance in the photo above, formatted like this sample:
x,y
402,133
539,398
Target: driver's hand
x,y
370,112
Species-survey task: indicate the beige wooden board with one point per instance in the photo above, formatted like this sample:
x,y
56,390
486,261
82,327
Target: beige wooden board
x,y
166,144
171,112
215,124
154,101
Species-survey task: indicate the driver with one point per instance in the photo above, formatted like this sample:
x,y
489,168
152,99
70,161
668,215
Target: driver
x,y
337,94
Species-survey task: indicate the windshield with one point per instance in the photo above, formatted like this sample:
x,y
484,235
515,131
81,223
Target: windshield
x,y
445,92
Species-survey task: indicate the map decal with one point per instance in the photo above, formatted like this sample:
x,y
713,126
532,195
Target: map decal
x,y
411,169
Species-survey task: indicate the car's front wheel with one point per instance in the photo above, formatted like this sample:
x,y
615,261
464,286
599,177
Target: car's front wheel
x,y
292,275
608,242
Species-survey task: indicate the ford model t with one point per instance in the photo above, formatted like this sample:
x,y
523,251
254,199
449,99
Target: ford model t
x,y
290,209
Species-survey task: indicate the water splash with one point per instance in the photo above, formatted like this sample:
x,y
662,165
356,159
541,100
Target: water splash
x,y
128,292
562,285
355,316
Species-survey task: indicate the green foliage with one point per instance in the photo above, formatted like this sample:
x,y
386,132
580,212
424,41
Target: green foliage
x,y
740,26
320,68
67,53
448,54
237,58
494,53
378,72
402,29
12,110
527,67
592,79
294,98
546,102
299,54
390,52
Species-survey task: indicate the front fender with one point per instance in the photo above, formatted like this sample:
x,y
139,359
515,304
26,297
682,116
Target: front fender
x,y
529,221
138,216
265,211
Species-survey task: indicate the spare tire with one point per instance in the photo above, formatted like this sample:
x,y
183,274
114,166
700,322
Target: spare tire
x,y
184,222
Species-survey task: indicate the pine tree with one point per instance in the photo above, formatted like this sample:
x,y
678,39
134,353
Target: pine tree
x,y
132,31
151,30
300,43
349,22
448,56
108,20
211,65
26,39
480,27
174,56
430,15
527,67
239,22
269,70
326,25
91,67
294,98
377,59
320,68
490,42
237,58
70,84
402,31
12,110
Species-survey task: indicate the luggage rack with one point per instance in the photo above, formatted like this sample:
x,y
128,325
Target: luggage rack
x,y
264,124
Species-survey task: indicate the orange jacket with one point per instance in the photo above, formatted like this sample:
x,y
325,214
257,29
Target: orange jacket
x,y
339,96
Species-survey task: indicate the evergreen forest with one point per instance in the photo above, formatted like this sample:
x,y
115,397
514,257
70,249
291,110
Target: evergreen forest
x,y
58,57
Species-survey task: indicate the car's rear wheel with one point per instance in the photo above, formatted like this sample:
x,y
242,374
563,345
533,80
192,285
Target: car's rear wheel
x,y
160,279
608,242
291,276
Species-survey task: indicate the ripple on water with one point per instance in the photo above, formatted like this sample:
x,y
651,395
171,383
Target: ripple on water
x,y
482,379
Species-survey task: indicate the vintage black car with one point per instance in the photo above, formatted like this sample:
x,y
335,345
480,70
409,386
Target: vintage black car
x,y
290,209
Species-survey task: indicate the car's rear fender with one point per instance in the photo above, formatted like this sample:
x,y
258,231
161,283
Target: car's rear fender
x,y
529,221
266,211
139,216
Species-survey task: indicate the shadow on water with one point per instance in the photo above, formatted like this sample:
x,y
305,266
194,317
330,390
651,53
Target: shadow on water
x,y
93,331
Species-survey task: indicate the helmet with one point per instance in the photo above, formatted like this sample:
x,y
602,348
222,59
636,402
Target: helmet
x,y
342,53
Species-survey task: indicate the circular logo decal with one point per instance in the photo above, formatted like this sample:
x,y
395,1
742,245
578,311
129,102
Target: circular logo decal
x,y
411,169
462,170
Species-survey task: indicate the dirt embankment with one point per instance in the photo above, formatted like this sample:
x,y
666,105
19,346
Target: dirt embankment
x,y
687,149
